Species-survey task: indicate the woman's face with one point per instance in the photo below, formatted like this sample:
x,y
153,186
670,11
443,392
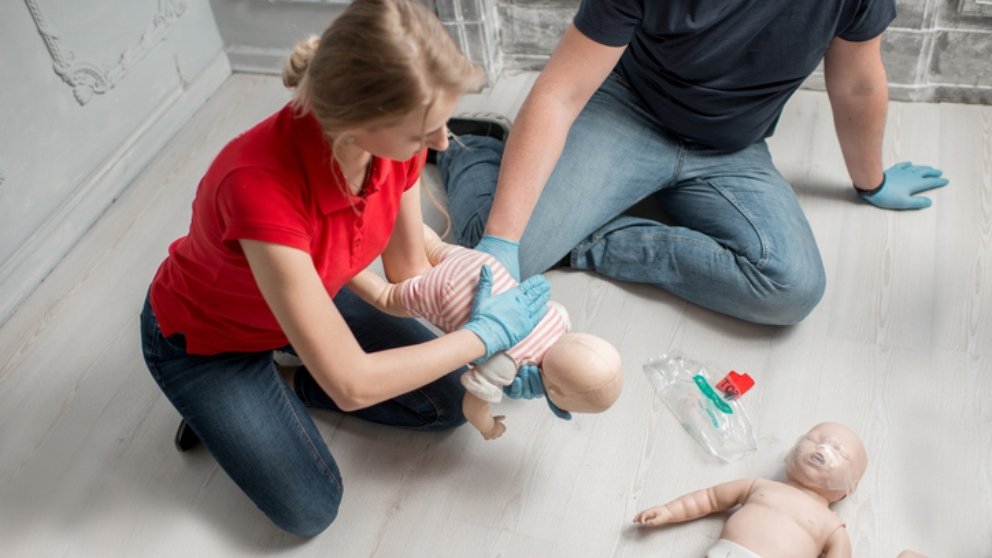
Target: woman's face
x,y
404,139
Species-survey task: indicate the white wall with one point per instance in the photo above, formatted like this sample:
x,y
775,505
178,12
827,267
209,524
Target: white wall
x,y
90,91
259,35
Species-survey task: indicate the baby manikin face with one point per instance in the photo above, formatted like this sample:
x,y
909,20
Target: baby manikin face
x,y
827,459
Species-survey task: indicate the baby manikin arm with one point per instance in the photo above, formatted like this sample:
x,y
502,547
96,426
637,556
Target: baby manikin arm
x,y
378,292
477,412
484,384
697,504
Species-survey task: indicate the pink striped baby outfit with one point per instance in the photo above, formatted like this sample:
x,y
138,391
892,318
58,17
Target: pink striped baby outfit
x,y
443,296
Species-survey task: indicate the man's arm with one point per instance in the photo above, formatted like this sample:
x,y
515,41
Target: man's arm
x,y
859,92
576,69
859,96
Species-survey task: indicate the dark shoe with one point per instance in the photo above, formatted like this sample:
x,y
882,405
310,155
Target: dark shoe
x,y
186,439
565,262
490,125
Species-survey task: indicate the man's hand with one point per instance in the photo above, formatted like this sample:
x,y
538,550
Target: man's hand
x,y
902,181
506,251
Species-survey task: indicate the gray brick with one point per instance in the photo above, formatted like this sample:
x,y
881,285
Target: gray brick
x,y
530,31
901,51
961,58
910,14
572,5
447,10
964,14
966,94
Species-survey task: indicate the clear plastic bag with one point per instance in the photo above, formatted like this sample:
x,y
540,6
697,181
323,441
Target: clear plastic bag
x,y
716,419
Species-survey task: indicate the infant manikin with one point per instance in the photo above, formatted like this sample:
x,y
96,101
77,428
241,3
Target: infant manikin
x,y
581,373
789,519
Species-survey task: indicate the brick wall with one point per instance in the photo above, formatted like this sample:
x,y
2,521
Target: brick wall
x,y
935,50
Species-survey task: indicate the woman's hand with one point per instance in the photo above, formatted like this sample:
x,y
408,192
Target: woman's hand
x,y
501,321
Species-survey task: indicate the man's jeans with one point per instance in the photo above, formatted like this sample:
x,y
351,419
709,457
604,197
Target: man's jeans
x,y
257,428
739,243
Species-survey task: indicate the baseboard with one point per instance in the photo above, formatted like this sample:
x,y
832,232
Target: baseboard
x,y
254,60
23,271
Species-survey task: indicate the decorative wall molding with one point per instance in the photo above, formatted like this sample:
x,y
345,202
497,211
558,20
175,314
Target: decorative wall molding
x,y
87,78
26,268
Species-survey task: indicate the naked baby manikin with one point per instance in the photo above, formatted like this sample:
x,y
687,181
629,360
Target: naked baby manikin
x,y
581,372
789,519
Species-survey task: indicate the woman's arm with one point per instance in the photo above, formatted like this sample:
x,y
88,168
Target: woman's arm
x,y
319,334
405,256
378,292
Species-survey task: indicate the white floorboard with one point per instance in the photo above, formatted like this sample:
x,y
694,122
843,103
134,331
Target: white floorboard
x,y
900,349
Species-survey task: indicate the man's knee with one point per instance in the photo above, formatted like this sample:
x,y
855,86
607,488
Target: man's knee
x,y
793,296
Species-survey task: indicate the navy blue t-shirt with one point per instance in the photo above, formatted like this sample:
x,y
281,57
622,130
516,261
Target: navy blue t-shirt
x,y
718,72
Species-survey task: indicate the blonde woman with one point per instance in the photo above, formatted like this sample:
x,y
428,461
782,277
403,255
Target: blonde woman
x,y
285,216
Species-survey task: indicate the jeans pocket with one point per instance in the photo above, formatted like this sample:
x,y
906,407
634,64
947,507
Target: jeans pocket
x,y
155,345
162,352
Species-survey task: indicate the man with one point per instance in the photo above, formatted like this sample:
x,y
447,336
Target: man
x,y
675,100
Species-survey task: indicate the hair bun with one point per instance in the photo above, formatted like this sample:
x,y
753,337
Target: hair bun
x,y
296,65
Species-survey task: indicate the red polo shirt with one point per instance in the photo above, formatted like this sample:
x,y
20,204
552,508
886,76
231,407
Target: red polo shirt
x,y
275,183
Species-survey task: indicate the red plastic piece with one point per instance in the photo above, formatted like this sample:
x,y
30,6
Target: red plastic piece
x,y
734,385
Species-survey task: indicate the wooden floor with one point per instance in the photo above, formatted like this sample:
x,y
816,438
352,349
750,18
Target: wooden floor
x,y
900,349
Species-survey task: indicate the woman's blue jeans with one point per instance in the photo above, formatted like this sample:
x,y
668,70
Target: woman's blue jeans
x,y
738,243
257,427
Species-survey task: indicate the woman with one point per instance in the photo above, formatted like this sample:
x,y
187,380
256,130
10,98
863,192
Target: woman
x,y
285,216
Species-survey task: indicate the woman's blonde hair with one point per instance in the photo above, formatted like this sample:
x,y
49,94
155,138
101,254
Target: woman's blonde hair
x,y
379,61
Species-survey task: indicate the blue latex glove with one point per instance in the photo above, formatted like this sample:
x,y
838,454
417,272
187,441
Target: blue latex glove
x,y
506,251
526,384
529,385
501,321
901,182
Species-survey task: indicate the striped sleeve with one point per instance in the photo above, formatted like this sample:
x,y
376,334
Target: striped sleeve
x,y
443,295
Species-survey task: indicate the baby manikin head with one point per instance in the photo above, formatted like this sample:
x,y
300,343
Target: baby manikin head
x,y
829,459
582,373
